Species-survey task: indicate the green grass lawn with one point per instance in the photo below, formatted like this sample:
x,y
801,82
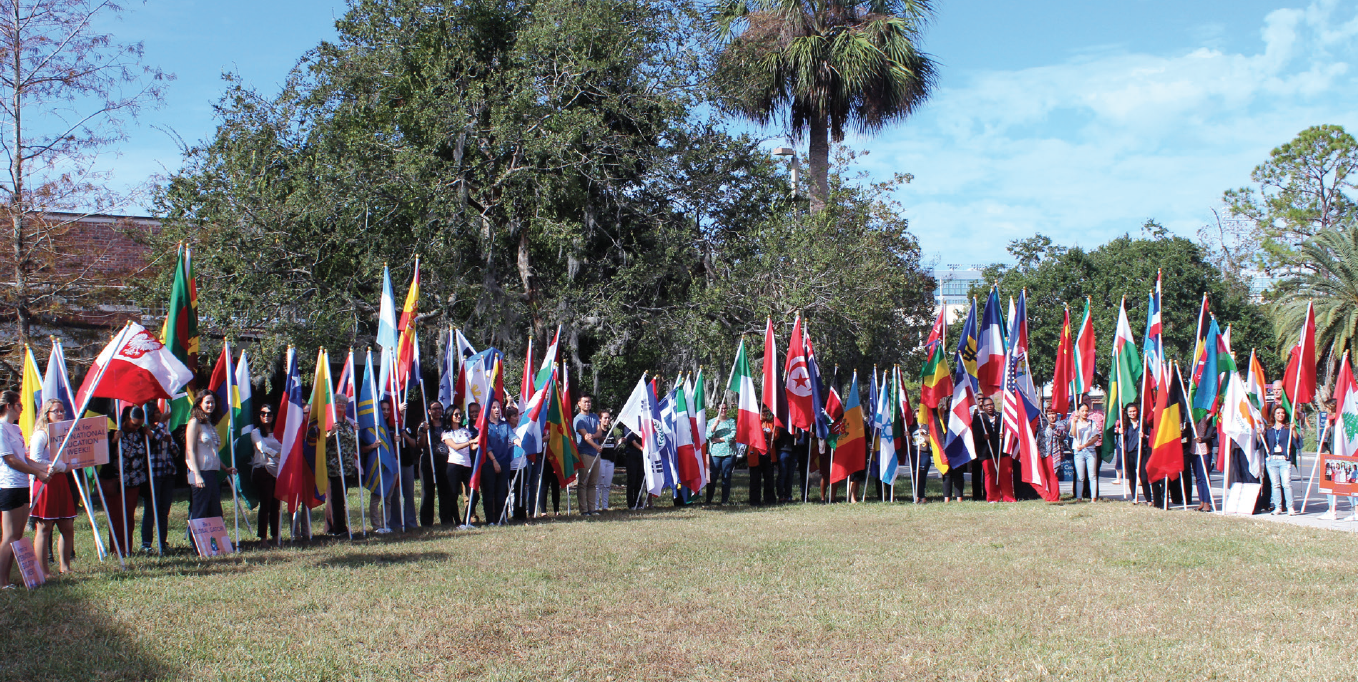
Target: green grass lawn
x,y
869,591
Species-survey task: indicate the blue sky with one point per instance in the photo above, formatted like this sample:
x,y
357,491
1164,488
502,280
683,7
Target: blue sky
x,y
1075,119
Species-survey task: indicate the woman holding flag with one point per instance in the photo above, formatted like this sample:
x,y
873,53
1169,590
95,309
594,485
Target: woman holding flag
x,y
15,468
1283,443
53,504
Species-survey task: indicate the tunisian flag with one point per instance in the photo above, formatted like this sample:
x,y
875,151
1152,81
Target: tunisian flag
x,y
801,409
135,367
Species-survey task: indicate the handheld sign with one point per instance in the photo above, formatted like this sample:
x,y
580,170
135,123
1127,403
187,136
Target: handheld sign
x,y
28,563
1339,475
88,445
210,536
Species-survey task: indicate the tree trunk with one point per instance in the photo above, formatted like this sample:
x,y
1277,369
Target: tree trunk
x,y
818,159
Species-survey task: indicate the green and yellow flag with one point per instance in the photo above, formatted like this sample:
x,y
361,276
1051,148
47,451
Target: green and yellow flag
x,y
180,331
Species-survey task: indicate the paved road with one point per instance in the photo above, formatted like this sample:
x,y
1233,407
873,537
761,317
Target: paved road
x,y
1309,516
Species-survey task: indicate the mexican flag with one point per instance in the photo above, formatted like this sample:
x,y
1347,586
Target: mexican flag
x,y
741,382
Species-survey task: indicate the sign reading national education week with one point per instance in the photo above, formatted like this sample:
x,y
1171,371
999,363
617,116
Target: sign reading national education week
x,y
1338,475
88,445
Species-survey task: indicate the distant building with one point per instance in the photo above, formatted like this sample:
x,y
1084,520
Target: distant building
x,y
954,283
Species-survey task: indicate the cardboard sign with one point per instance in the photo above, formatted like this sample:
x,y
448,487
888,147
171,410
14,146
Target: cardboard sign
x,y
88,446
1338,475
1241,498
210,536
28,563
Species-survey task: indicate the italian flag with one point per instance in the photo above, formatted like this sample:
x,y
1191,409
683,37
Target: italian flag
x,y
741,383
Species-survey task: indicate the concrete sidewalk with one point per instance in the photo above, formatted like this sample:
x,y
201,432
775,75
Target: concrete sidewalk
x,y
1308,516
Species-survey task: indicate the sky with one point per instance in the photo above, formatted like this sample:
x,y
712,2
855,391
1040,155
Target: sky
x,y
1075,119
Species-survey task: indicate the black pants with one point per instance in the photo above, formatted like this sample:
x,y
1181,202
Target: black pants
x,y
977,480
339,509
434,486
954,482
206,502
267,521
494,491
458,477
763,479
159,511
550,483
636,477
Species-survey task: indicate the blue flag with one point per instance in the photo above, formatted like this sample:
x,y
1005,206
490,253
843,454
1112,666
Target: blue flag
x,y
821,425
1205,394
967,344
379,466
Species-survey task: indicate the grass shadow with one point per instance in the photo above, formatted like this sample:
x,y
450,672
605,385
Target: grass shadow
x,y
356,560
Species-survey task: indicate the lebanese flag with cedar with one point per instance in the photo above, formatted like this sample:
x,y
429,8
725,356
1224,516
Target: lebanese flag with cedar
x,y
135,367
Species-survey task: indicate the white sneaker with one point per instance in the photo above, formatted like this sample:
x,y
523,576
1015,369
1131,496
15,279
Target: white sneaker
x,y
1291,512
1350,517
1329,516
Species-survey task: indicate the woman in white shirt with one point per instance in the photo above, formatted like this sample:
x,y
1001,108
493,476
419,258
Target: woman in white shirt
x,y
53,504
201,446
264,475
15,468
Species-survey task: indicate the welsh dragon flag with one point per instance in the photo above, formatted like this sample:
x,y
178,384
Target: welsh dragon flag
x,y
741,382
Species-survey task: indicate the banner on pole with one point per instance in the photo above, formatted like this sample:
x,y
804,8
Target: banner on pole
x,y
88,445
210,536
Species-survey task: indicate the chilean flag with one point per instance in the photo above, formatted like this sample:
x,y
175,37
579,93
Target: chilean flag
x,y
990,348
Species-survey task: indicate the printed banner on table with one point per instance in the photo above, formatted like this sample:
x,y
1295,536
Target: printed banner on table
x,y
210,536
1338,475
28,563
88,445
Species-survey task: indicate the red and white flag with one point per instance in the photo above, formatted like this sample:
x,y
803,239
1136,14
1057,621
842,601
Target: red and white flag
x,y
135,367
1299,383
801,412
773,396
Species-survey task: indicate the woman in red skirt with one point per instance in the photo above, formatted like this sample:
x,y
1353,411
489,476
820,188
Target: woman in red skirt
x,y
53,504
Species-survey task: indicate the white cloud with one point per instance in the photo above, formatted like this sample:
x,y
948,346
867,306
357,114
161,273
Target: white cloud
x,y
1088,149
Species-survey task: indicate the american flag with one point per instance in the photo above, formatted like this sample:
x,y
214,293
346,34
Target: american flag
x,y
1018,382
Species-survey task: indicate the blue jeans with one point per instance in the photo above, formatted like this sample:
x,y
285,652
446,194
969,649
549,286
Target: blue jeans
x,y
1086,469
1280,474
721,469
787,471
1200,477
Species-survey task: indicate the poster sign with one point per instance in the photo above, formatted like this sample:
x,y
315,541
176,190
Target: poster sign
x,y
1241,497
28,563
1338,475
210,536
88,445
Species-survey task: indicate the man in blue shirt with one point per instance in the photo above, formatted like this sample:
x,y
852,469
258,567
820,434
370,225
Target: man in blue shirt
x,y
589,438
495,470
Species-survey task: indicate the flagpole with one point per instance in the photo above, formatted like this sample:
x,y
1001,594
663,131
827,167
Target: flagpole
x,y
1296,386
122,477
85,496
155,507
1315,465
1141,420
231,425
1206,471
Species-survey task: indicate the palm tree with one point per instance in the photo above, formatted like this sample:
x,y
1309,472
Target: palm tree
x,y
1330,281
824,65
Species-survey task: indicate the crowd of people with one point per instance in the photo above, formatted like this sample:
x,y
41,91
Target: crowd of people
x,y
460,488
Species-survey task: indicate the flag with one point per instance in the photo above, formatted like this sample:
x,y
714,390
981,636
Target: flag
x,y
345,387
687,455
1346,402
851,445
296,476
774,396
1127,360
221,385
548,365
56,383
1199,342
967,346
1085,354
380,467
1167,449
1205,392
1153,344
748,428
801,412
1255,385
136,368
1063,376
533,424
386,315
959,444
482,450
886,456
526,384
699,392
30,395
560,437
242,412
939,331
820,426
990,348
935,381
455,357
931,422
1299,383
180,331
1018,382
1241,422
640,415
406,344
